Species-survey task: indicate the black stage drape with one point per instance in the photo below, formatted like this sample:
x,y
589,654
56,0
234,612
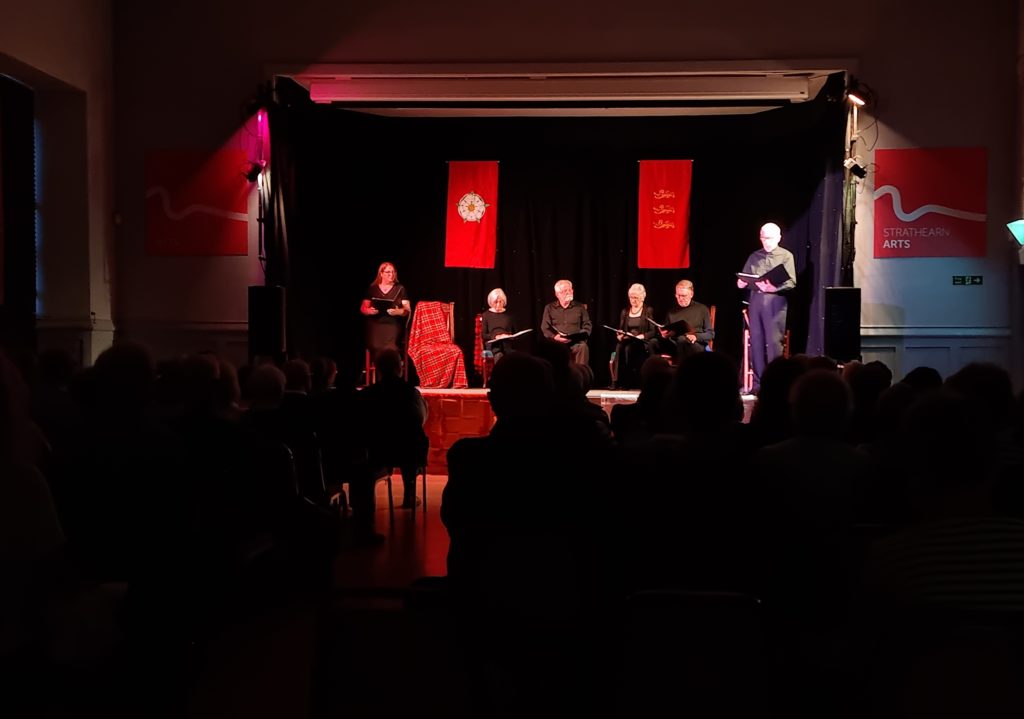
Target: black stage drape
x,y
18,215
364,188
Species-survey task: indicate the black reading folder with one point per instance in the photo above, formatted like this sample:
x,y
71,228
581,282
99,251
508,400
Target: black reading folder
x,y
510,337
574,336
776,275
680,327
628,335
383,305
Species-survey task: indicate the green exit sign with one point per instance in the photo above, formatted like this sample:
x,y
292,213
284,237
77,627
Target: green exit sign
x,y
967,279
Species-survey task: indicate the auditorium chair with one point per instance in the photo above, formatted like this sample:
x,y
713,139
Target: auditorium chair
x,y
421,471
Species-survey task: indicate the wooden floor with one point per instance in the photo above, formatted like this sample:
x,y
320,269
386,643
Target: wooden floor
x,y
415,547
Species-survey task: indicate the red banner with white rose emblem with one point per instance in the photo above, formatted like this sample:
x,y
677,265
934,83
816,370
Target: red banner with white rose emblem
x,y
663,238
471,235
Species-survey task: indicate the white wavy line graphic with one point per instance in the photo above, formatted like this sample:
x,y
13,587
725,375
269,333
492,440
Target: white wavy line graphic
x,y
165,201
897,207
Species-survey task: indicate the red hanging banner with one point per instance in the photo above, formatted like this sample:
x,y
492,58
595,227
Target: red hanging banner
x,y
663,238
471,236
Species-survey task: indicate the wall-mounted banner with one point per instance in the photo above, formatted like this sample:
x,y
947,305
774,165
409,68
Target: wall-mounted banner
x,y
930,202
663,237
197,203
471,230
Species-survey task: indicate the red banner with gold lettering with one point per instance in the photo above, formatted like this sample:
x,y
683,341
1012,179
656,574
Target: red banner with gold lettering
x,y
471,236
663,238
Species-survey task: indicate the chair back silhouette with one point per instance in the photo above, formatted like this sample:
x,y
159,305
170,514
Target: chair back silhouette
x,y
439,361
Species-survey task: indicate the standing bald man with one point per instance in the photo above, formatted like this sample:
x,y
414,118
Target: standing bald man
x,y
768,303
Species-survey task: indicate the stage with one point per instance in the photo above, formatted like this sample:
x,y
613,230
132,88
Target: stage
x,y
457,413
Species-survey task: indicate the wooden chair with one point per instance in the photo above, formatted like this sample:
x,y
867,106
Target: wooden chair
x,y
711,312
431,346
483,358
370,371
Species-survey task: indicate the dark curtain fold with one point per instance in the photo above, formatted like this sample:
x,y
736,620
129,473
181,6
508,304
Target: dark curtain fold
x,y
360,189
18,246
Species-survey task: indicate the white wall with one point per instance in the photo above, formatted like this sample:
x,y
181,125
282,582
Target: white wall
x,y
63,49
184,69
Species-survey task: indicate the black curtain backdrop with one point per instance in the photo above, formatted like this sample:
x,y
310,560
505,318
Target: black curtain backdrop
x,y
17,166
362,189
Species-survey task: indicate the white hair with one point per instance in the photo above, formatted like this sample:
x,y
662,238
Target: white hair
x,y
637,289
493,296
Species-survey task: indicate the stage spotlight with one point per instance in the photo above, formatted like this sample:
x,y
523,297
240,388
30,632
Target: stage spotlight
x,y
858,93
855,168
253,174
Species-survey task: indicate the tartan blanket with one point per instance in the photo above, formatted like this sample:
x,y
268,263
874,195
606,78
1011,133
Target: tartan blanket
x,y
439,361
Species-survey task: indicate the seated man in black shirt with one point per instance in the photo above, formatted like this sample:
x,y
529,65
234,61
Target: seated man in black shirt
x,y
568,322
687,327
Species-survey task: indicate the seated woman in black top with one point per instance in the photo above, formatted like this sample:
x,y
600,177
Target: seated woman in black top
x,y
496,323
635,333
386,307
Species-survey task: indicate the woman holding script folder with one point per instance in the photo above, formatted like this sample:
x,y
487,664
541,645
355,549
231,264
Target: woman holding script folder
x,y
772,271
386,307
496,324
636,329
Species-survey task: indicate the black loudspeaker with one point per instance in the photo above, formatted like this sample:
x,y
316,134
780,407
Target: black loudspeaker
x,y
266,321
842,323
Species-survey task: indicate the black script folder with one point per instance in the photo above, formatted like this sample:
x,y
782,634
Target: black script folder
x,y
382,305
776,275
510,337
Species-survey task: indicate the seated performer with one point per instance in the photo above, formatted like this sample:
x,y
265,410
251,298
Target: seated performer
x,y
687,327
497,323
568,322
636,330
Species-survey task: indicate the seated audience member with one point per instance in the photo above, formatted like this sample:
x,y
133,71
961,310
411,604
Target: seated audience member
x,y
392,415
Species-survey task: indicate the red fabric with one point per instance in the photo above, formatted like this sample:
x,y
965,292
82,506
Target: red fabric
x,y
439,361
478,345
931,202
471,241
197,203
663,238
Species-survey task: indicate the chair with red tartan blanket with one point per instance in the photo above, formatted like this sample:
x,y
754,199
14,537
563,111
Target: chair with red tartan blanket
x,y
439,361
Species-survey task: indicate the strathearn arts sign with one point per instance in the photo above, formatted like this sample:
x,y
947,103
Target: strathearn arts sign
x,y
930,202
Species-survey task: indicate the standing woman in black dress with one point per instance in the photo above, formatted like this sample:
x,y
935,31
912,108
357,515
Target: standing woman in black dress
x,y
383,329
496,323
